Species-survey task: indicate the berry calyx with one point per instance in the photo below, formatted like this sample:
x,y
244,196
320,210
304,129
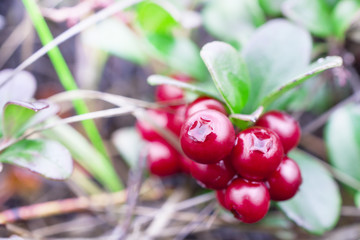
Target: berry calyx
x,y
207,136
213,176
162,159
248,201
285,181
257,153
285,126
204,103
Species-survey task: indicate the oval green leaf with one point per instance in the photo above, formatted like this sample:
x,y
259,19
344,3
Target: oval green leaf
x,y
45,157
228,72
343,14
316,207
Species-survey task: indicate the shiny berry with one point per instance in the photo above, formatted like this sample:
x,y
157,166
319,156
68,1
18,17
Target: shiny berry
x,y
207,136
162,159
220,196
285,181
185,164
285,126
168,93
257,153
204,103
248,201
213,176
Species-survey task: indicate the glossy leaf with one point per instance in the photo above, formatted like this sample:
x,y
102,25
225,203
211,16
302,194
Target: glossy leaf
x,y
129,144
87,156
342,138
228,72
17,114
343,14
277,53
319,66
45,157
20,88
233,21
316,207
114,37
178,53
271,7
314,15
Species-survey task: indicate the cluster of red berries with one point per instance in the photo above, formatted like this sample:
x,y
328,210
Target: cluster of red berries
x,y
247,170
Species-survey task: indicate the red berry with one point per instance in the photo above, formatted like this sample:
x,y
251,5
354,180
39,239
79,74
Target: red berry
x,y
248,201
285,126
204,103
207,136
182,78
162,159
214,176
257,153
220,196
168,93
185,163
285,181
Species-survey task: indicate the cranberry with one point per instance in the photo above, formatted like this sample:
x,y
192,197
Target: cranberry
x,y
220,196
214,176
162,159
207,136
204,103
162,119
248,201
285,126
257,153
168,93
285,181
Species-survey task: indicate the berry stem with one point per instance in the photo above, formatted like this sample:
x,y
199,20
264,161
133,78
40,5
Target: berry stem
x,y
253,117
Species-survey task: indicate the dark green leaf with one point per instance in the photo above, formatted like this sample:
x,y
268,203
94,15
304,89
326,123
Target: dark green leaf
x,y
198,89
232,21
153,18
271,7
87,156
17,114
228,72
319,66
316,207
342,138
277,53
343,14
179,53
314,15
129,144
114,37
45,157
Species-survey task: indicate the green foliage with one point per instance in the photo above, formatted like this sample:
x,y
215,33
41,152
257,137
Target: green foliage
x,y
316,207
271,7
45,157
342,15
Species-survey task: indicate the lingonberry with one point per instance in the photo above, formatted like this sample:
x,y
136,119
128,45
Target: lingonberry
x,y
168,93
207,136
162,159
257,153
285,126
185,164
220,196
248,201
213,176
204,103
285,181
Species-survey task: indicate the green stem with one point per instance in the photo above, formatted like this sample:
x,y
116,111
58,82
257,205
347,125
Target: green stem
x,y
63,72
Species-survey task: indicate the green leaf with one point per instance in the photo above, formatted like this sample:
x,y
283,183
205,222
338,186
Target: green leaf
x,y
114,37
277,53
357,199
272,7
319,66
314,15
87,156
342,16
198,89
153,18
178,53
129,144
342,138
45,157
316,207
17,114
228,72
232,21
